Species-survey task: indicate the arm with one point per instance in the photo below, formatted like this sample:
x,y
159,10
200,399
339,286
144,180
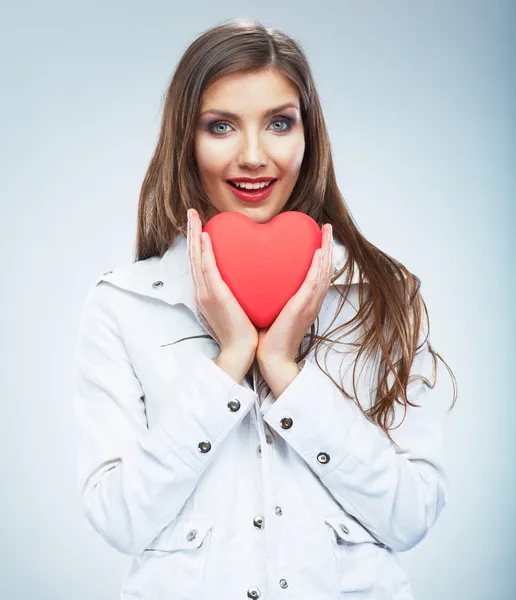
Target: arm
x,y
397,496
133,480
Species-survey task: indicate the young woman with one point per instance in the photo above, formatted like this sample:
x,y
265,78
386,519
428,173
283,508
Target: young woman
x,y
232,463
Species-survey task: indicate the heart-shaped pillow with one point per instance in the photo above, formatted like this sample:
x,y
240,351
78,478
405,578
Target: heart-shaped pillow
x,y
263,265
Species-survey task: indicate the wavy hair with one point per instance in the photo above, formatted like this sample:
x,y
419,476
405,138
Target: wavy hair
x,y
391,307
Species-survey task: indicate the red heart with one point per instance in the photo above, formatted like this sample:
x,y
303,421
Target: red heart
x,y
264,265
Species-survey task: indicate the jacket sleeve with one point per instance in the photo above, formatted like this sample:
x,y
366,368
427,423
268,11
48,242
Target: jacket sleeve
x,y
396,495
133,480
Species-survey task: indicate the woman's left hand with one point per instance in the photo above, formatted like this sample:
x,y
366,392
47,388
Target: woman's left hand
x,y
278,344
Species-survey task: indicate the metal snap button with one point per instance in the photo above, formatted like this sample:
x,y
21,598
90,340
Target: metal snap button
x,y
278,511
234,405
204,446
283,583
344,528
253,592
323,457
258,522
259,451
268,439
191,535
157,284
286,422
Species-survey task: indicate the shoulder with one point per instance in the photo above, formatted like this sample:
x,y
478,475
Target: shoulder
x,y
128,271
105,287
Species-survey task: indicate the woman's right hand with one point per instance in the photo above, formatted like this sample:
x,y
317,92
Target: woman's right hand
x,y
234,331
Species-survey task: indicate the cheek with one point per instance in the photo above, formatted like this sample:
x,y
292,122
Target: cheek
x,y
290,155
211,158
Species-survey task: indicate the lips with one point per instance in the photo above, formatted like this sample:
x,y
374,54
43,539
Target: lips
x,y
252,195
267,182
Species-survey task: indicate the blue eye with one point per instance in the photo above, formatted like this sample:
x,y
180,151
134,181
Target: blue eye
x,y
216,123
286,120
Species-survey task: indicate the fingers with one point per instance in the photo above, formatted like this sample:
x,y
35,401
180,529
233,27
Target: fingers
x,y
189,246
209,265
327,263
319,275
194,253
322,260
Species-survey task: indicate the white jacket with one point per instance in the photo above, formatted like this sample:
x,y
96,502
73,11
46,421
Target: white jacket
x,y
217,493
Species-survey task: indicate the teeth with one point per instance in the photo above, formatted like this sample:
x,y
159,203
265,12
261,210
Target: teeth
x,y
252,186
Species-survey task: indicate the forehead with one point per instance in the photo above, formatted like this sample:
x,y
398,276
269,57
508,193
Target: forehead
x,y
244,92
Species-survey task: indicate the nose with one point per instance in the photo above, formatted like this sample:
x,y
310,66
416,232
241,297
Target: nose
x,y
252,154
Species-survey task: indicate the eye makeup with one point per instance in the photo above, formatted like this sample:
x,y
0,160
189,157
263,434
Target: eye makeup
x,y
289,121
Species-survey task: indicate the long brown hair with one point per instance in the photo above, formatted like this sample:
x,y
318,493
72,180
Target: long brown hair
x,y
391,306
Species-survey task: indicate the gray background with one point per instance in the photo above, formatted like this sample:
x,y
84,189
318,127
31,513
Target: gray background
x,y
417,97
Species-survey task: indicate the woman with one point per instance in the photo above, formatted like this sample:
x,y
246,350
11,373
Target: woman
x,y
228,462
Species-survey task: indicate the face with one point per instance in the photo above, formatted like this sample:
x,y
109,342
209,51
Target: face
x,y
250,140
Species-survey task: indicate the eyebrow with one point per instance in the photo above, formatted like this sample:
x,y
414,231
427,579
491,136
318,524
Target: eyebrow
x,y
267,113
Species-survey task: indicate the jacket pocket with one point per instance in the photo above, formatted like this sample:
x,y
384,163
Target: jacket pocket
x,y
172,565
184,533
363,572
350,530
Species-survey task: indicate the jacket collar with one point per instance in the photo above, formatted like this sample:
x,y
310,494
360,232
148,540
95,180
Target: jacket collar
x,y
168,278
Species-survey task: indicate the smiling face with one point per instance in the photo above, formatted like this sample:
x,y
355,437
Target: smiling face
x,y
252,141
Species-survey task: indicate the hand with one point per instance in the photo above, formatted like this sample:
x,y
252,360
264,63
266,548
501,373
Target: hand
x,y
216,303
279,343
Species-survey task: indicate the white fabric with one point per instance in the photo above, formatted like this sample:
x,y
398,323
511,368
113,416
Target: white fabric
x,y
143,405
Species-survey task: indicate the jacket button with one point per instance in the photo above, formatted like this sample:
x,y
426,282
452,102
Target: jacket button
x,y
191,535
204,446
258,522
259,450
157,284
322,457
253,592
268,438
234,405
278,511
344,528
283,583
286,422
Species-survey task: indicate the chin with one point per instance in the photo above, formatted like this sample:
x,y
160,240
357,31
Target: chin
x,y
260,215
260,218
